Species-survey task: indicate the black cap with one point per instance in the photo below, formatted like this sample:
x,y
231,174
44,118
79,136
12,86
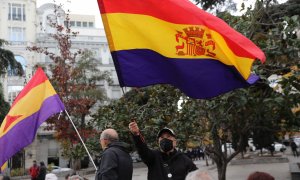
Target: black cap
x,y
165,129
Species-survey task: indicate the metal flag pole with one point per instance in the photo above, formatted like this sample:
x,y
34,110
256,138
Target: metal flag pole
x,y
81,139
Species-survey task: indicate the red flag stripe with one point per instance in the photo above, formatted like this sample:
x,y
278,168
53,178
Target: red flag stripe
x,y
172,11
39,78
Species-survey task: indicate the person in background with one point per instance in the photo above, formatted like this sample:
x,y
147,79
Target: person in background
x,y
42,171
34,171
165,162
294,148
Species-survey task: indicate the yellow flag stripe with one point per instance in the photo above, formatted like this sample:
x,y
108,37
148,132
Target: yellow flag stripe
x,y
4,166
30,103
146,32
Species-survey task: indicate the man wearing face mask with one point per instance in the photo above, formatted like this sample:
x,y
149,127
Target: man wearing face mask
x,y
166,163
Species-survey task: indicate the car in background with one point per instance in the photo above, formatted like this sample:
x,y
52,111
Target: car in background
x,y
286,142
279,147
57,169
230,150
297,141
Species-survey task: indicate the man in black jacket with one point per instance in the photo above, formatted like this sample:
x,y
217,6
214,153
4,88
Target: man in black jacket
x,y
166,163
115,163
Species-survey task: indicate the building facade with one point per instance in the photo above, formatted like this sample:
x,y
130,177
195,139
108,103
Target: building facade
x,y
25,25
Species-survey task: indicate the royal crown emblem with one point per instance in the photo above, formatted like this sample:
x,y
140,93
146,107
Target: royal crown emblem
x,y
195,41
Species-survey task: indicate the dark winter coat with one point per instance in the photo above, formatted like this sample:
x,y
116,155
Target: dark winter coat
x,y
42,173
115,163
160,164
294,146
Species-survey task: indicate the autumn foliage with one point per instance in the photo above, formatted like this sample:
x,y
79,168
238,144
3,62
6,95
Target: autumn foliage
x,y
74,75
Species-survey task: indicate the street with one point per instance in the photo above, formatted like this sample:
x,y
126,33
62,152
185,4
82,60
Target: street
x,y
234,172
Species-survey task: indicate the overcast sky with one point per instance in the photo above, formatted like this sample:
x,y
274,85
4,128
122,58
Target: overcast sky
x,y
90,7
75,6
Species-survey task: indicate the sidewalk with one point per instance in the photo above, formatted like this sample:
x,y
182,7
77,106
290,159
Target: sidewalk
x,y
238,172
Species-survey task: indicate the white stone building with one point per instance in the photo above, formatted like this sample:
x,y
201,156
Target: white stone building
x,y
20,26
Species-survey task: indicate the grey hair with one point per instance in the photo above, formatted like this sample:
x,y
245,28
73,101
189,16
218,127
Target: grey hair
x,y
105,135
76,177
198,174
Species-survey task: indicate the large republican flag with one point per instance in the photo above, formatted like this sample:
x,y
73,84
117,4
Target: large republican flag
x,y
174,42
34,105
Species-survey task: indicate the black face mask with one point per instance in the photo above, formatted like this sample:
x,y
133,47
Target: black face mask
x,y
166,145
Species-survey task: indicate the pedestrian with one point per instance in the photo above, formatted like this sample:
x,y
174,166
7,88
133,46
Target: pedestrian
x,y
272,149
201,153
115,162
189,154
42,171
260,176
34,171
194,152
165,162
294,148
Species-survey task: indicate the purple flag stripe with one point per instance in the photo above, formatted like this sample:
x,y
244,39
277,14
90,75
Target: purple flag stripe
x,y
23,133
197,78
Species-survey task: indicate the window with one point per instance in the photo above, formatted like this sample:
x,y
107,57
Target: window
x,y
84,24
22,61
116,94
91,24
53,152
66,23
16,34
78,23
12,96
72,23
16,12
13,92
48,59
